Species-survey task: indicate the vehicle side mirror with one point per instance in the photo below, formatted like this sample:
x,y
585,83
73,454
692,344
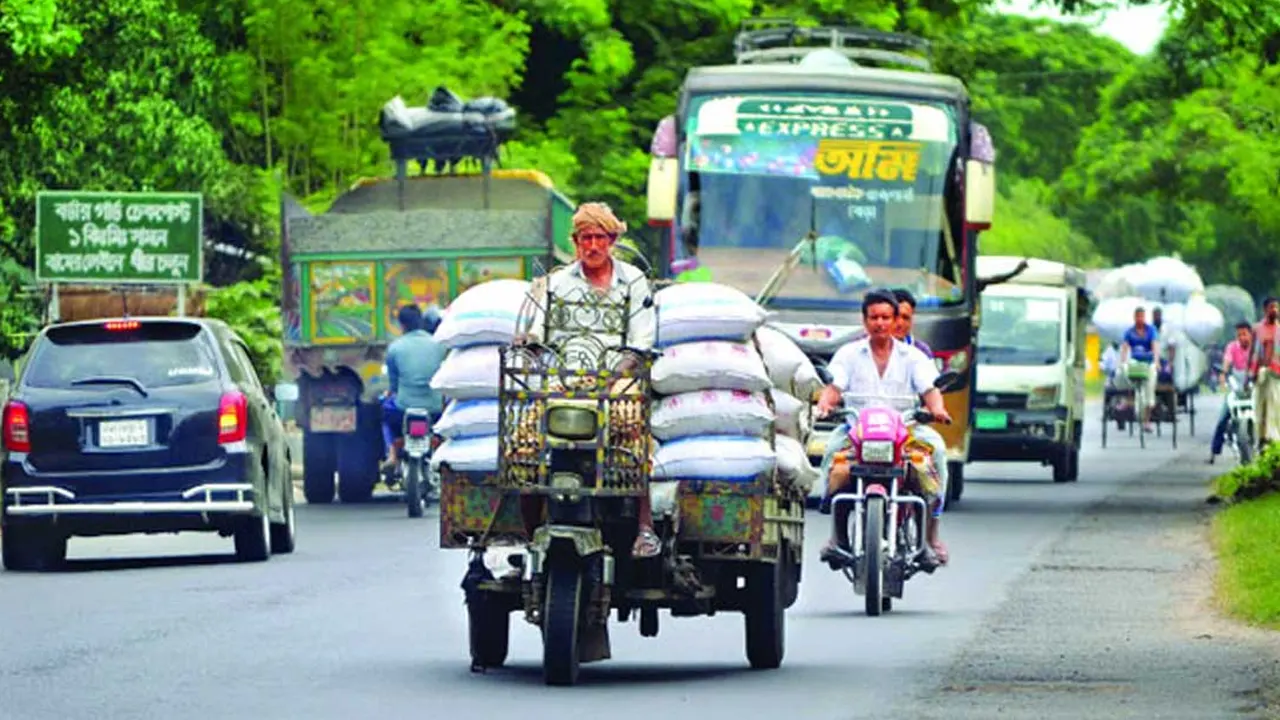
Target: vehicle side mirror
x,y
664,179
947,381
979,194
285,392
823,374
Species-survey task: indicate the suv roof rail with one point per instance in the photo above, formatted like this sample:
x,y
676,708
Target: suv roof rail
x,y
780,40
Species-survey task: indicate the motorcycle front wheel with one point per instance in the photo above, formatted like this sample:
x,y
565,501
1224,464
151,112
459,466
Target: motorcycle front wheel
x,y
873,554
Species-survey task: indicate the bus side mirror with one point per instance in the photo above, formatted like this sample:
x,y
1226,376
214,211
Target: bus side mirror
x,y
947,381
979,194
664,176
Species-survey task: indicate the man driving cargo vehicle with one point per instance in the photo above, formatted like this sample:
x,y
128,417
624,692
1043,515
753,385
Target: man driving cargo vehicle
x,y
596,270
881,366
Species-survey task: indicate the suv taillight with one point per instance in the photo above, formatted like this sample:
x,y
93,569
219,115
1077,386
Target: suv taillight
x,y
233,420
17,427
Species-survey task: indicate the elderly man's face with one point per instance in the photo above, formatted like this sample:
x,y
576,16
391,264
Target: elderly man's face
x,y
593,246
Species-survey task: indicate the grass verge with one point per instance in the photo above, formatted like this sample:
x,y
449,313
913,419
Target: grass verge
x,y
1245,537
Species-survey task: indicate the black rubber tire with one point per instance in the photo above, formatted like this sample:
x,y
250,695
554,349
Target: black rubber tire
x,y
955,482
32,548
284,535
873,555
489,629
765,617
319,464
561,620
413,489
253,538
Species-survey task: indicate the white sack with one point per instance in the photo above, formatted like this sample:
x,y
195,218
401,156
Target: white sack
x,y
1115,316
711,412
663,495
794,417
1173,317
469,373
484,314
1190,363
468,418
713,365
1203,322
793,464
789,368
690,312
1166,279
477,454
1116,283
724,457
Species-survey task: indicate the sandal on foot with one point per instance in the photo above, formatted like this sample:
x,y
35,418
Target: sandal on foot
x,y
647,545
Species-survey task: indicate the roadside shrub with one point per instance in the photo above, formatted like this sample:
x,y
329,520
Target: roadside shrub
x,y
1258,478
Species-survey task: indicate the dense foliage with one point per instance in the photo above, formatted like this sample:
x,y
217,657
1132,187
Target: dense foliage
x,y
1103,156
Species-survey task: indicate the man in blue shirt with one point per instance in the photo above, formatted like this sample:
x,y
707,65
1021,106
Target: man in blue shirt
x,y
412,360
1142,345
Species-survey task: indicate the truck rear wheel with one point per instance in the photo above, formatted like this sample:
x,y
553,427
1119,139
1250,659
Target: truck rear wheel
x,y
358,457
319,463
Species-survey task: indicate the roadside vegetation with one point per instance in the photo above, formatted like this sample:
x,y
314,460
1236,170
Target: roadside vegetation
x,y
1246,535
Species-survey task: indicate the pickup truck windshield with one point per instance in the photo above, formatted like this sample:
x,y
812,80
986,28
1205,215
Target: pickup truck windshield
x,y
1020,330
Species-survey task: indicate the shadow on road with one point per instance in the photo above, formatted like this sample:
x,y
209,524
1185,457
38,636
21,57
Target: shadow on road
x,y
141,563
610,673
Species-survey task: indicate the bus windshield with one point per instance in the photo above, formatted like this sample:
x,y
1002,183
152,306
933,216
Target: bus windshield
x,y
868,181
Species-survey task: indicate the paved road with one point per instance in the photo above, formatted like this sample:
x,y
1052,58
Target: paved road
x,y
1062,601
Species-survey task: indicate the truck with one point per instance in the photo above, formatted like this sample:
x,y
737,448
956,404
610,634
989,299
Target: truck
x,y
1029,401
382,244
825,162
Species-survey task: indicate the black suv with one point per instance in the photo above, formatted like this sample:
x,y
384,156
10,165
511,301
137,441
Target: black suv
x,y
141,425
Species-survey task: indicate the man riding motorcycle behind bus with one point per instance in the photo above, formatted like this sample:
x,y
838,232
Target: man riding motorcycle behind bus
x,y
881,366
412,361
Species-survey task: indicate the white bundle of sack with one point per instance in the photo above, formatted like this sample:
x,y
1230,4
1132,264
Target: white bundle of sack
x,y
1114,317
1166,280
713,418
475,328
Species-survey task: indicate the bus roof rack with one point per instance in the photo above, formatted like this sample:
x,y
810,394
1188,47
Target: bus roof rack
x,y
778,40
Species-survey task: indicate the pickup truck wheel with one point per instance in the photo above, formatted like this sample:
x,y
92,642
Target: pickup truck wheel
x,y
284,535
955,482
33,548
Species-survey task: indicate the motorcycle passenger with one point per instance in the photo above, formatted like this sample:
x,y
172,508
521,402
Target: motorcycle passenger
x,y
884,367
1265,364
1235,361
1141,345
596,270
906,321
412,360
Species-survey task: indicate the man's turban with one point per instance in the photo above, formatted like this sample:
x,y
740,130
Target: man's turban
x,y
597,215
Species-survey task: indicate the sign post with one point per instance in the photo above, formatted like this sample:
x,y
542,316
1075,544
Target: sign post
x,y
119,238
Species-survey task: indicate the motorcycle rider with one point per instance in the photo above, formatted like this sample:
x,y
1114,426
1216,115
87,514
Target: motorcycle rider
x,y
885,367
1142,345
1235,360
597,271
412,360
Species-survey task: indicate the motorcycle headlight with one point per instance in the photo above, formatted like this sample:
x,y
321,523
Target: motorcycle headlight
x,y
877,451
572,423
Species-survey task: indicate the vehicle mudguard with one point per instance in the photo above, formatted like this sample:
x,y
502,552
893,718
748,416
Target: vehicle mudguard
x,y
876,489
585,540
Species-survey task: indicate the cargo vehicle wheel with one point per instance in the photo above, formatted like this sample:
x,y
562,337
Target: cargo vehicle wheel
x,y
765,615
319,463
253,538
561,615
1066,465
358,456
490,632
33,548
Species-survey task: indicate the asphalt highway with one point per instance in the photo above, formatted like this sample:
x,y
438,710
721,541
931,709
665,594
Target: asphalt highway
x,y
1074,600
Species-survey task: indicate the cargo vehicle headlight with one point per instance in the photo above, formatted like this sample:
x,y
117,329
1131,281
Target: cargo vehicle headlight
x,y
1042,397
572,423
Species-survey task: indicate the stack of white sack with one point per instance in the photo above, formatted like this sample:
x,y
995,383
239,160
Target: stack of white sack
x,y
475,327
1166,280
713,416
1185,330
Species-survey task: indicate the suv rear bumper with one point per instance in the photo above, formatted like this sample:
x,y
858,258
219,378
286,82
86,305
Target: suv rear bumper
x,y
51,500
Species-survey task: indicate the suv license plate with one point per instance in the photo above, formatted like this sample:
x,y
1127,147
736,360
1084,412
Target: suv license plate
x,y
124,433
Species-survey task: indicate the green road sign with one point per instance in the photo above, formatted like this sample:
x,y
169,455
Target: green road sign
x,y
109,237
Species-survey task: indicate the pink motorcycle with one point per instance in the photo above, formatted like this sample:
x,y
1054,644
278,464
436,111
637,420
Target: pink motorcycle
x,y
890,474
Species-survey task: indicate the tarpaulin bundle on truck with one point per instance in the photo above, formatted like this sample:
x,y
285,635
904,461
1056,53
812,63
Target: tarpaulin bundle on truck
x,y
447,129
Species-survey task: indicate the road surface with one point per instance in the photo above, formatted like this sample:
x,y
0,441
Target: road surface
x,y
1070,601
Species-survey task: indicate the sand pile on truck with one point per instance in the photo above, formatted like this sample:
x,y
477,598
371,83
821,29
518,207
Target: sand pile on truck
x,y
1190,324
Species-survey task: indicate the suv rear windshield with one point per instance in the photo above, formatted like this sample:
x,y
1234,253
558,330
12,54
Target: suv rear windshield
x,y
155,354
